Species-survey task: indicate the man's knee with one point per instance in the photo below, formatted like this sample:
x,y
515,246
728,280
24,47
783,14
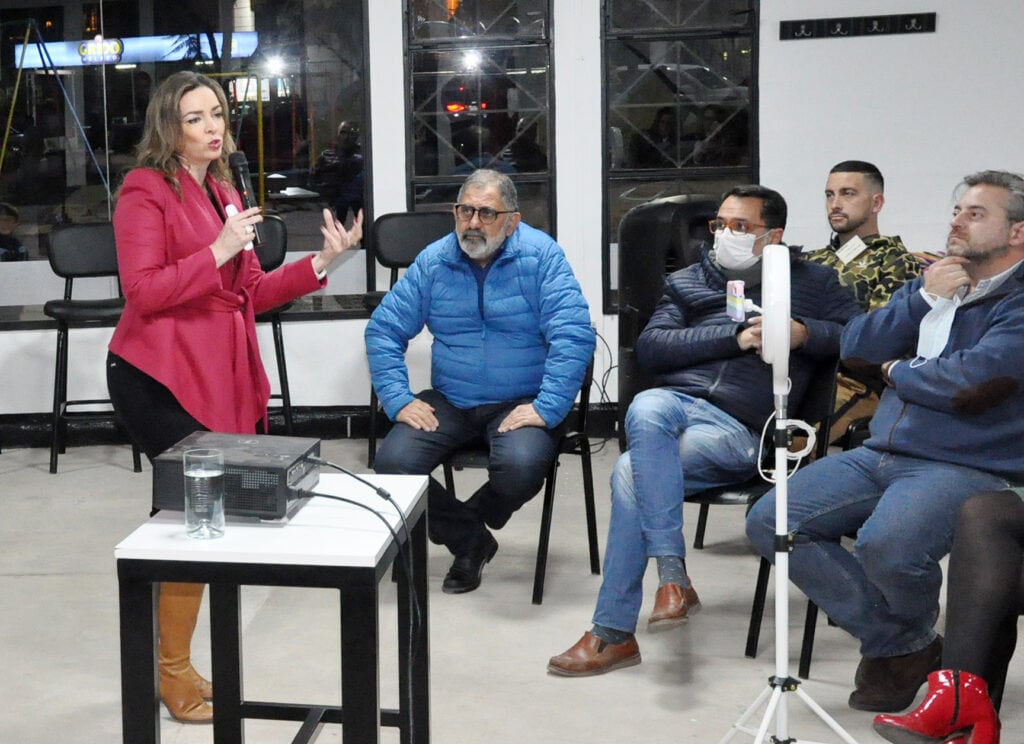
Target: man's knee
x,y
623,489
647,409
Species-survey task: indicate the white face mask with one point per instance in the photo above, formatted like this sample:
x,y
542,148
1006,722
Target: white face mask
x,y
735,252
933,333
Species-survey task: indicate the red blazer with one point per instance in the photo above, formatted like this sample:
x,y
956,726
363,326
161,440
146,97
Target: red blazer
x,y
186,323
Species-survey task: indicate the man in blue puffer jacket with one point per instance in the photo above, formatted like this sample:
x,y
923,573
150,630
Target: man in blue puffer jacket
x,y
511,343
701,426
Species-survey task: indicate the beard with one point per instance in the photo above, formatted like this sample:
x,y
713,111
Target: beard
x,y
976,255
476,245
843,224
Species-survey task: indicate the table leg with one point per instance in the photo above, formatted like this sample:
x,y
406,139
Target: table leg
x,y
140,697
226,657
360,657
413,644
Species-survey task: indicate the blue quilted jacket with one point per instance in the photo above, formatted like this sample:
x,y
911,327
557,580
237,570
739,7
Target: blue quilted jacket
x,y
525,333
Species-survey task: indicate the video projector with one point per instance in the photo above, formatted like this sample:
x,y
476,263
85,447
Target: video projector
x,y
264,476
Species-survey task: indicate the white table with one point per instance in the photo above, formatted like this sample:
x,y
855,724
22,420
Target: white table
x,y
327,544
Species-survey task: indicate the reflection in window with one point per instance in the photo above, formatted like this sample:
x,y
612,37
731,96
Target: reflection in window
x,y
678,89
662,15
679,104
480,76
294,75
439,19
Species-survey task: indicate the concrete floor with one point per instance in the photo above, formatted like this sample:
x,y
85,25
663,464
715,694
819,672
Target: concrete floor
x,y
489,649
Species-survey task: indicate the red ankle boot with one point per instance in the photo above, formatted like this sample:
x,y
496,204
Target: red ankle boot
x,y
957,709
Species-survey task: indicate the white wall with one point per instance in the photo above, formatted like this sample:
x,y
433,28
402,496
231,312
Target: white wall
x,y
927,109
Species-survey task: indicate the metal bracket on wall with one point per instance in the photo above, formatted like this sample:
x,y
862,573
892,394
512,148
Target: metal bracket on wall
x,y
874,25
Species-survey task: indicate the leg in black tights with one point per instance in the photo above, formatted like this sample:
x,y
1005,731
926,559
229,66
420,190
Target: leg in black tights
x,y
149,411
986,587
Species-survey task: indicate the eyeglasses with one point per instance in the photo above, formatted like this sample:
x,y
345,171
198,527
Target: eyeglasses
x,y
487,215
740,227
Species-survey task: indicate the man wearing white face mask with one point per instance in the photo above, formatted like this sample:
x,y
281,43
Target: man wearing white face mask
x,y
701,427
950,424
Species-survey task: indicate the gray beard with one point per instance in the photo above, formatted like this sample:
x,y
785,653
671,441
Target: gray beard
x,y
479,250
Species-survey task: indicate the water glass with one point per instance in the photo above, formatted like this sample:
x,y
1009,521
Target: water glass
x,y
204,493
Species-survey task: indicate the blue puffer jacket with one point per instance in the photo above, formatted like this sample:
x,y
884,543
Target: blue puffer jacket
x,y
965,406
525,333
690,343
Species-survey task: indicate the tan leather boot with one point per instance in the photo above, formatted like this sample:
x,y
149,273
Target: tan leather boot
x,y
180,684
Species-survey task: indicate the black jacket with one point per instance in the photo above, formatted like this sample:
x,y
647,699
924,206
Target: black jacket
x,y
690,343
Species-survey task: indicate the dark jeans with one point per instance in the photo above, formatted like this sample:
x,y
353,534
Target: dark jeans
x,y
518,463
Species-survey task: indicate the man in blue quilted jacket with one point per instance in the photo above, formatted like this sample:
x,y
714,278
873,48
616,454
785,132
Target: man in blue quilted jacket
x,y
701,427
511,343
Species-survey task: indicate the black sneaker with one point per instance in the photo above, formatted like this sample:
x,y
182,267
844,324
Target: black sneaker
x,y
467,570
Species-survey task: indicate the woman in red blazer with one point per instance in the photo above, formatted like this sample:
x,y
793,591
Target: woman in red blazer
x,y
184,356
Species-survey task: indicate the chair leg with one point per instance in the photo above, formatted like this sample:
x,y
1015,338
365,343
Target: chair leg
x,y
757,608
282,373
449,479
371,435
588,503
60,370
545,534
702,525
136,458
807,647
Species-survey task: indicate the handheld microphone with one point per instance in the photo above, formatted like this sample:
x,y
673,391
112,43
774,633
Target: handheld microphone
x,y
239,166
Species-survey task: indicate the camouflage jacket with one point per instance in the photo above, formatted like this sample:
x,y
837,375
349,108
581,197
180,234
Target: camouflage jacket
x,y
876,273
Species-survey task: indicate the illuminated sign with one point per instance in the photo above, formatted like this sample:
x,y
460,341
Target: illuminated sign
x,y
135,50
100,51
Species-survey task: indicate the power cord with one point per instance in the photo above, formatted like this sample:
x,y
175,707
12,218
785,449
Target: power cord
x,y
405,560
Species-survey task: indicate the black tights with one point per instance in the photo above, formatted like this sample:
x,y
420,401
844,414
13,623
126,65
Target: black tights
x,y
985,593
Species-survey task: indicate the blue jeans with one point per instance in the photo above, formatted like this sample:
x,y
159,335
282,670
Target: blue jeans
x,y
903,509
677,444
519,461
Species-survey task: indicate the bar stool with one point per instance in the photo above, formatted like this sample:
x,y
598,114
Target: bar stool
x,y
80,251
271,255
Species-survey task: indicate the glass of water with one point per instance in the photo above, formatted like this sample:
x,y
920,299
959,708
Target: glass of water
x,y
204,493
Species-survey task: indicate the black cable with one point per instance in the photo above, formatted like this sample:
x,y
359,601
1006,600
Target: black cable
x,y
383,493
405,559
415,635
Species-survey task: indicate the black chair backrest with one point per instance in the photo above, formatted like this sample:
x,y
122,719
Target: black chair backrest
x,y
400,236
275,242
83,250
819,399
655,239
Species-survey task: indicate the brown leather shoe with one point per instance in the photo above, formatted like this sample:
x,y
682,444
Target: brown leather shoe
x,y
889,684
672,605
592,656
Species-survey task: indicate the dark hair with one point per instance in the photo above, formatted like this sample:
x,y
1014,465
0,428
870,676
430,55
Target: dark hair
x,y
773,206
868,170
8,210
1012,182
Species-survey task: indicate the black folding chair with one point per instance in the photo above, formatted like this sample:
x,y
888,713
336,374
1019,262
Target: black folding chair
x,y
396,240
271,255
79,251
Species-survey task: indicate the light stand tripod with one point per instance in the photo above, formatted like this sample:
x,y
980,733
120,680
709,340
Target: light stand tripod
x,y
775,351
